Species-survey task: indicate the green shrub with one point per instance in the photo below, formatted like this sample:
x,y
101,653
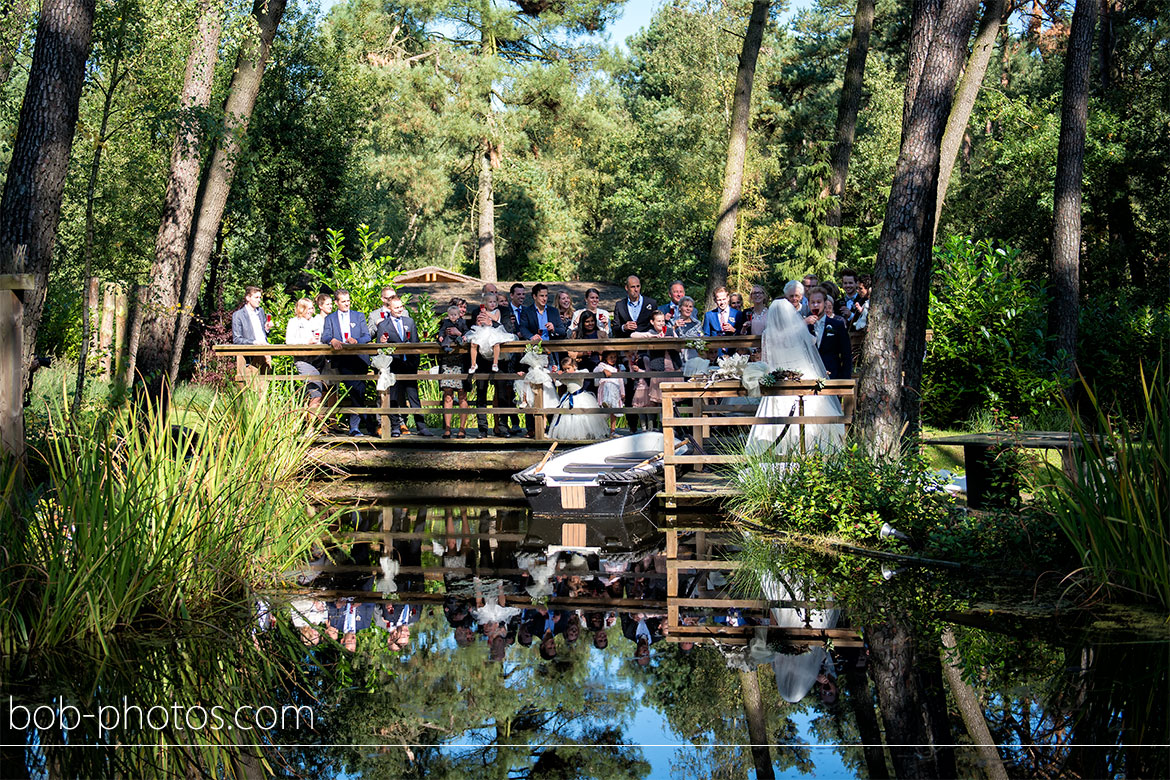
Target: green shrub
x,y
987,349
1115,336
847,495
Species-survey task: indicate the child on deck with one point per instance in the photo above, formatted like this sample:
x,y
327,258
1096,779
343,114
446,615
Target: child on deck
x,y
572,427
488,334
611,390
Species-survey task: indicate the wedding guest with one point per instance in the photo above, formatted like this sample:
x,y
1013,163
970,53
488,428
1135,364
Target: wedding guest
x,y
300,331
658,359
576,427
453,360
344,327
399,328
722,320
565,307
587,328
794,294
374,318
611,389
736,301
632,313
510,318
250,325
810,281
755,318
592,304
677,291
685,322
489,332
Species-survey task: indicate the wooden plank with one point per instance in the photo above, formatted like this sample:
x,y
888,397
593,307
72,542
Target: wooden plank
x,y
573,534
686,422
572,497
705,459
668,445
754,604
705,565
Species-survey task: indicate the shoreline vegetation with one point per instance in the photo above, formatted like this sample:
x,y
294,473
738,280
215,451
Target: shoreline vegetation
x,y
133,523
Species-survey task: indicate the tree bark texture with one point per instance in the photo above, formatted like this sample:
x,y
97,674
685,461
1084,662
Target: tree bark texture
x,y
861,702
902,272
153,331
1064,269
922,20
241,100
971,709
973,75
753,705
741,111
486,227
847,109
15,17
116,76
31,204
891,654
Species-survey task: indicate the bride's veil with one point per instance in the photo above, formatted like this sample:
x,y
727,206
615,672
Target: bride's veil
x,y
787,344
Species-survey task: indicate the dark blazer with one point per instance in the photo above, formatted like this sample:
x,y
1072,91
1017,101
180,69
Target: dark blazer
x,y
835,351
391,613
363,617
357,329
388,334
621,315
530,325
630,627
711,325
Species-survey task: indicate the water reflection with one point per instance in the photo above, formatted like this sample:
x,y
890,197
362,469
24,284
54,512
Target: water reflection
x,y
449,638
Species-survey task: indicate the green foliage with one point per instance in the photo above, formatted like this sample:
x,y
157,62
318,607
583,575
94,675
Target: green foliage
x,y
363,276
847,495
988,345
1116,512
1116,337
137,523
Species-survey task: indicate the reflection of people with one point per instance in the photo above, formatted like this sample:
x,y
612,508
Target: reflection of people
x,y
787,344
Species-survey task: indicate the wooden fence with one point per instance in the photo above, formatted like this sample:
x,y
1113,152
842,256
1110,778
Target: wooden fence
x,y
541,409
699,407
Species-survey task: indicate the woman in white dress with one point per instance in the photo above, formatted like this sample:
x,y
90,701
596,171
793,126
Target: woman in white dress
x,y
576,427
787,344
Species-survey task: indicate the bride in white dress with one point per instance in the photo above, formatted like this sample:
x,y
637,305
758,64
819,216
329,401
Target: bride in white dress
x,y
787,344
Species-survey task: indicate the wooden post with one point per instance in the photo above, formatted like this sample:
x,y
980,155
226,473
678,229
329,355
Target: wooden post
x,y
538,404
93,295
384,401
668,441
800,413
704,431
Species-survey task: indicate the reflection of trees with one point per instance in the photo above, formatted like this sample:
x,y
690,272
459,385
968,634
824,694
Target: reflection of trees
x,y
444,694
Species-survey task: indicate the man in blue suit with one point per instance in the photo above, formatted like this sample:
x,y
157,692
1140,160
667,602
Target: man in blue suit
x,y
346,327
398,328
541,322
250,326
723,320
831,335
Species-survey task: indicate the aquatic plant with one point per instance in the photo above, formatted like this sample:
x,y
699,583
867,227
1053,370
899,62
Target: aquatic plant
x,y
137,522
1115,506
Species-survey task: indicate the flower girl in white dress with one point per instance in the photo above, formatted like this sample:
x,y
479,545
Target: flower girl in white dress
x,y
576,427
611,389
487,335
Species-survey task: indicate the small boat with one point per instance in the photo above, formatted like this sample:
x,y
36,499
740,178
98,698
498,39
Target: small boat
x,y
607,479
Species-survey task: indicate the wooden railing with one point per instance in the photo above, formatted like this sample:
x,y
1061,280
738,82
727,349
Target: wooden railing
x,y
541,409
693,399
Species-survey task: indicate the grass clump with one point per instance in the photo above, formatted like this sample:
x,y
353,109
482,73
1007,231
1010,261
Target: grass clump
x,y
1115,506
133,522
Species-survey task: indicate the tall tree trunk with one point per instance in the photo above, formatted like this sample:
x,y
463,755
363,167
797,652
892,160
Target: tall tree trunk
x,y
153,331
971,709
241,99
15,16
901,276
116,76
741,111
31,204
923,18
861,702
847,108
753,705
1064,270
486,227
973,74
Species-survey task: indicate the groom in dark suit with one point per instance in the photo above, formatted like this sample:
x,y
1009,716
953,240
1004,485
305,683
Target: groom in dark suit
x,y
399,328
632,314
831,335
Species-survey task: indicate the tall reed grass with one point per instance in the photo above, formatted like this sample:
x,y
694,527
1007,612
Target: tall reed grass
x,y
1115,507
138,523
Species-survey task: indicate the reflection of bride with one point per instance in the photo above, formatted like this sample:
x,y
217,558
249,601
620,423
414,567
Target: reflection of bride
x,y
787,344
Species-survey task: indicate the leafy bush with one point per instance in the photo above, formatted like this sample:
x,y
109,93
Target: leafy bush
x,y
1116,512
1115,337
847,495
988,345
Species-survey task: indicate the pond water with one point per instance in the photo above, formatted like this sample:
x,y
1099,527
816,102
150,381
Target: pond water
x,y
460,637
